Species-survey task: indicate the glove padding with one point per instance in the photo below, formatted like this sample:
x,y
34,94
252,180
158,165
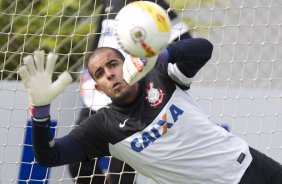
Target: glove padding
x,y
37,79
135,68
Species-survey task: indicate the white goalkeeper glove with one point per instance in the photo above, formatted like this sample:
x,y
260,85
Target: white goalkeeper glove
x,y
37,79
135,68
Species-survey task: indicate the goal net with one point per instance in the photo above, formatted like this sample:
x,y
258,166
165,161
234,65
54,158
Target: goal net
x,y
239,88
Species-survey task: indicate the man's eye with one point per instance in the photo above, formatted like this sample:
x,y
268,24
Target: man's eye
x,y
113,65
98,75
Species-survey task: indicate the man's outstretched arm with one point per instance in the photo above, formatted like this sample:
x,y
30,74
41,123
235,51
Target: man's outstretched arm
x,y
186,56
37,79
51,152
189,55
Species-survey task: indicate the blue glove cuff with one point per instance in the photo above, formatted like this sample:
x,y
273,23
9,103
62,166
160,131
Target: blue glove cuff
x,y
40,112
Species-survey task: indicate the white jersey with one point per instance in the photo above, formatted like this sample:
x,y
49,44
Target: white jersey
x,y
185,148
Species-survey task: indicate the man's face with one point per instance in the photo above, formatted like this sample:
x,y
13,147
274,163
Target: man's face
x,y
106,68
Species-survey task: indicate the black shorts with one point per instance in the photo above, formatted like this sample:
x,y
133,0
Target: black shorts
x,y
262,170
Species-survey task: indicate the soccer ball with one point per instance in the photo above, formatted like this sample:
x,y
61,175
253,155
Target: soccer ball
x,y
143,29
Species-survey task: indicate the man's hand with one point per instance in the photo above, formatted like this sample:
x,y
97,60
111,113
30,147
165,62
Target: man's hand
x,y
135,68
37,79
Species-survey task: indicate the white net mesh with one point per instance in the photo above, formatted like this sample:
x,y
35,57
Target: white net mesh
x,y
240,87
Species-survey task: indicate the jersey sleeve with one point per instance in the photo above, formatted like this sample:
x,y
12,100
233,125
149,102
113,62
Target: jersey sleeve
x,y
91,134
186,58
51,152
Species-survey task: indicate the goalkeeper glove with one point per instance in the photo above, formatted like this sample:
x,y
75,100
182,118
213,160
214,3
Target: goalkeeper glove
x,y
37,79
135,68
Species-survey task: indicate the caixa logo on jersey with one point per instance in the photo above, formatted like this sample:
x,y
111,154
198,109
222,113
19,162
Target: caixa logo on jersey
x,y
157,130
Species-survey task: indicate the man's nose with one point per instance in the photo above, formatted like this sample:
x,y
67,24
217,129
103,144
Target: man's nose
x,y
109,73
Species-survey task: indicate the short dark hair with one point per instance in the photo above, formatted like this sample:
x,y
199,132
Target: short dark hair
x,y
101,49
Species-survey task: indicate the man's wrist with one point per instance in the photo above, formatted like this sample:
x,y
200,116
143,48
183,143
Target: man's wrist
x,y
163,57
40,112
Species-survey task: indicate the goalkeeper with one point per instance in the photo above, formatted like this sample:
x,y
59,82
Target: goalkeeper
x,y
93,100
154,125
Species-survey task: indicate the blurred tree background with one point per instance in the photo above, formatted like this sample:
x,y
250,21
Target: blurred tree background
x,y
66,27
